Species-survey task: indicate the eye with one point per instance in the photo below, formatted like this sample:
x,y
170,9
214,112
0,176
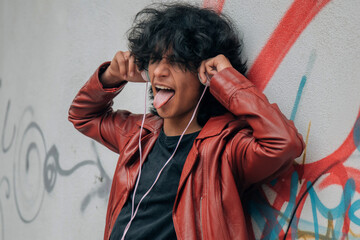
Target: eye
x,y
178,67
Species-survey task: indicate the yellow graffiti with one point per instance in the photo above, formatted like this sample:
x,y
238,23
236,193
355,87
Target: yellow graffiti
x,y
354,234
329,235
306,144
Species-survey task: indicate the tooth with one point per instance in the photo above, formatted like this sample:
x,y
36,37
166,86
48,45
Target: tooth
x,y
162,87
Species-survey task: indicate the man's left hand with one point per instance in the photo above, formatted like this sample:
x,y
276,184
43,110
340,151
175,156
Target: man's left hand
x,y
212,66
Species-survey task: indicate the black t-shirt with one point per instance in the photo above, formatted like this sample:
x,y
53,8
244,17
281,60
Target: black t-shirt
x,y
154,217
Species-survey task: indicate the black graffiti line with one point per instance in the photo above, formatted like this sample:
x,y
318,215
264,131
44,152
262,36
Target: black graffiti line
x,y
2,222
102,170
63,172
18,208
33,146
311,185
4,179
101,191
5,149
51,170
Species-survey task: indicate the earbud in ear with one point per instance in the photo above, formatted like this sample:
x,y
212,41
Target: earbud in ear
x,y
200,79
145,75
207,79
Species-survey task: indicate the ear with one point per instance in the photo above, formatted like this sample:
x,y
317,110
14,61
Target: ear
x,y
145,75
207,83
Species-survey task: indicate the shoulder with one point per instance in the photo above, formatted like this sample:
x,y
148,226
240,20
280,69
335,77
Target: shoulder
x,y
132,122
226,123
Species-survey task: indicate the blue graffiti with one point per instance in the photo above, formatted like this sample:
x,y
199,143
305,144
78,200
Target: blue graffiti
x,y
272,221
298,97
267,218
337,212
302,84
354,207
357,134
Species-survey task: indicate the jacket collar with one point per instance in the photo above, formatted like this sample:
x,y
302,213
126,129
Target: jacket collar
x,y
153,123
213,127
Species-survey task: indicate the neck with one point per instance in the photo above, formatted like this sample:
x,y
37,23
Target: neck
x,y
173,127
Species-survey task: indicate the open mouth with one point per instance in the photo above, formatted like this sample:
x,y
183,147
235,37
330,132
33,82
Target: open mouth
x,y
162,96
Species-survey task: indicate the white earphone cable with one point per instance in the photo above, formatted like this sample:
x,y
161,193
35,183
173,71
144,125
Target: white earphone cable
x,y
133,214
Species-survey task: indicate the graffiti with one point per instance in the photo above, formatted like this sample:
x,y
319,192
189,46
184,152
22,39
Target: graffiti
x,y
6,148
304,78
32,177
104,189
325,172
36,167
336,213
301,169
217,5
4,180
272,220
294,206
357,134
281,217
302,84
52,168
296,19
30,150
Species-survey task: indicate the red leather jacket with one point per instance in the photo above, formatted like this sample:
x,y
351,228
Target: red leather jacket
x,y
252,143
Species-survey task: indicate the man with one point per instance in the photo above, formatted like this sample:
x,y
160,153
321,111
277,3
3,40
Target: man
x,y
190,183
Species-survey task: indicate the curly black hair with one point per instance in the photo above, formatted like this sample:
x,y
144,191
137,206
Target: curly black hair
x,y
186,35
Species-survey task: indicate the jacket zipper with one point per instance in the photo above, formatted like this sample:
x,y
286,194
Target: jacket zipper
x,y
109,228
201,230
205,186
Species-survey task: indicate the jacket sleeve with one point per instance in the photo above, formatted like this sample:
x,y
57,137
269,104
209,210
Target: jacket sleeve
x,y
91,112
270,144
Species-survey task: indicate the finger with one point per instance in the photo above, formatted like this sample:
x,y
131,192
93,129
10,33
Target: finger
x,y
114,66
210,68
201,72
211,63
122,65
132,66
127,60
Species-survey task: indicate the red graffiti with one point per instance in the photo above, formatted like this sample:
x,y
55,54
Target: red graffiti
x,y
333,165
327,164
296,19
217,5
325,172
336,177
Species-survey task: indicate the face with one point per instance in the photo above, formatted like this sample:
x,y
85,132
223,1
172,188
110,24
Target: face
x,y
177,90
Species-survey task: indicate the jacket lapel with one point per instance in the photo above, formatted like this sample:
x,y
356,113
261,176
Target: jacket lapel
x,y
213,127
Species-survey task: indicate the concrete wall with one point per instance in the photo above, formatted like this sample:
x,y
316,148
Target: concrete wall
x,y
54,182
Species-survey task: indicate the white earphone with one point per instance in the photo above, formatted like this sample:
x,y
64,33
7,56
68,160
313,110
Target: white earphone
x,y
146,77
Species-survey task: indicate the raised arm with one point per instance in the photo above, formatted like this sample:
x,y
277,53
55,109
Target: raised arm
x,y
271,143
91,110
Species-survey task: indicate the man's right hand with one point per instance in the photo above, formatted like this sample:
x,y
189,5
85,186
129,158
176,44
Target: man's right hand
x,y
122,68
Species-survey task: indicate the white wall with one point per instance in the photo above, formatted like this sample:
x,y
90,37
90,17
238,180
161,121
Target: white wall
x,y
54,182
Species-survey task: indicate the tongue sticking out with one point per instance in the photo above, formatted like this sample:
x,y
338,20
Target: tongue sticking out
x,y
162,97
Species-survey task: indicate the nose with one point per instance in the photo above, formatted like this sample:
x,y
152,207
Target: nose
x,y
161,69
